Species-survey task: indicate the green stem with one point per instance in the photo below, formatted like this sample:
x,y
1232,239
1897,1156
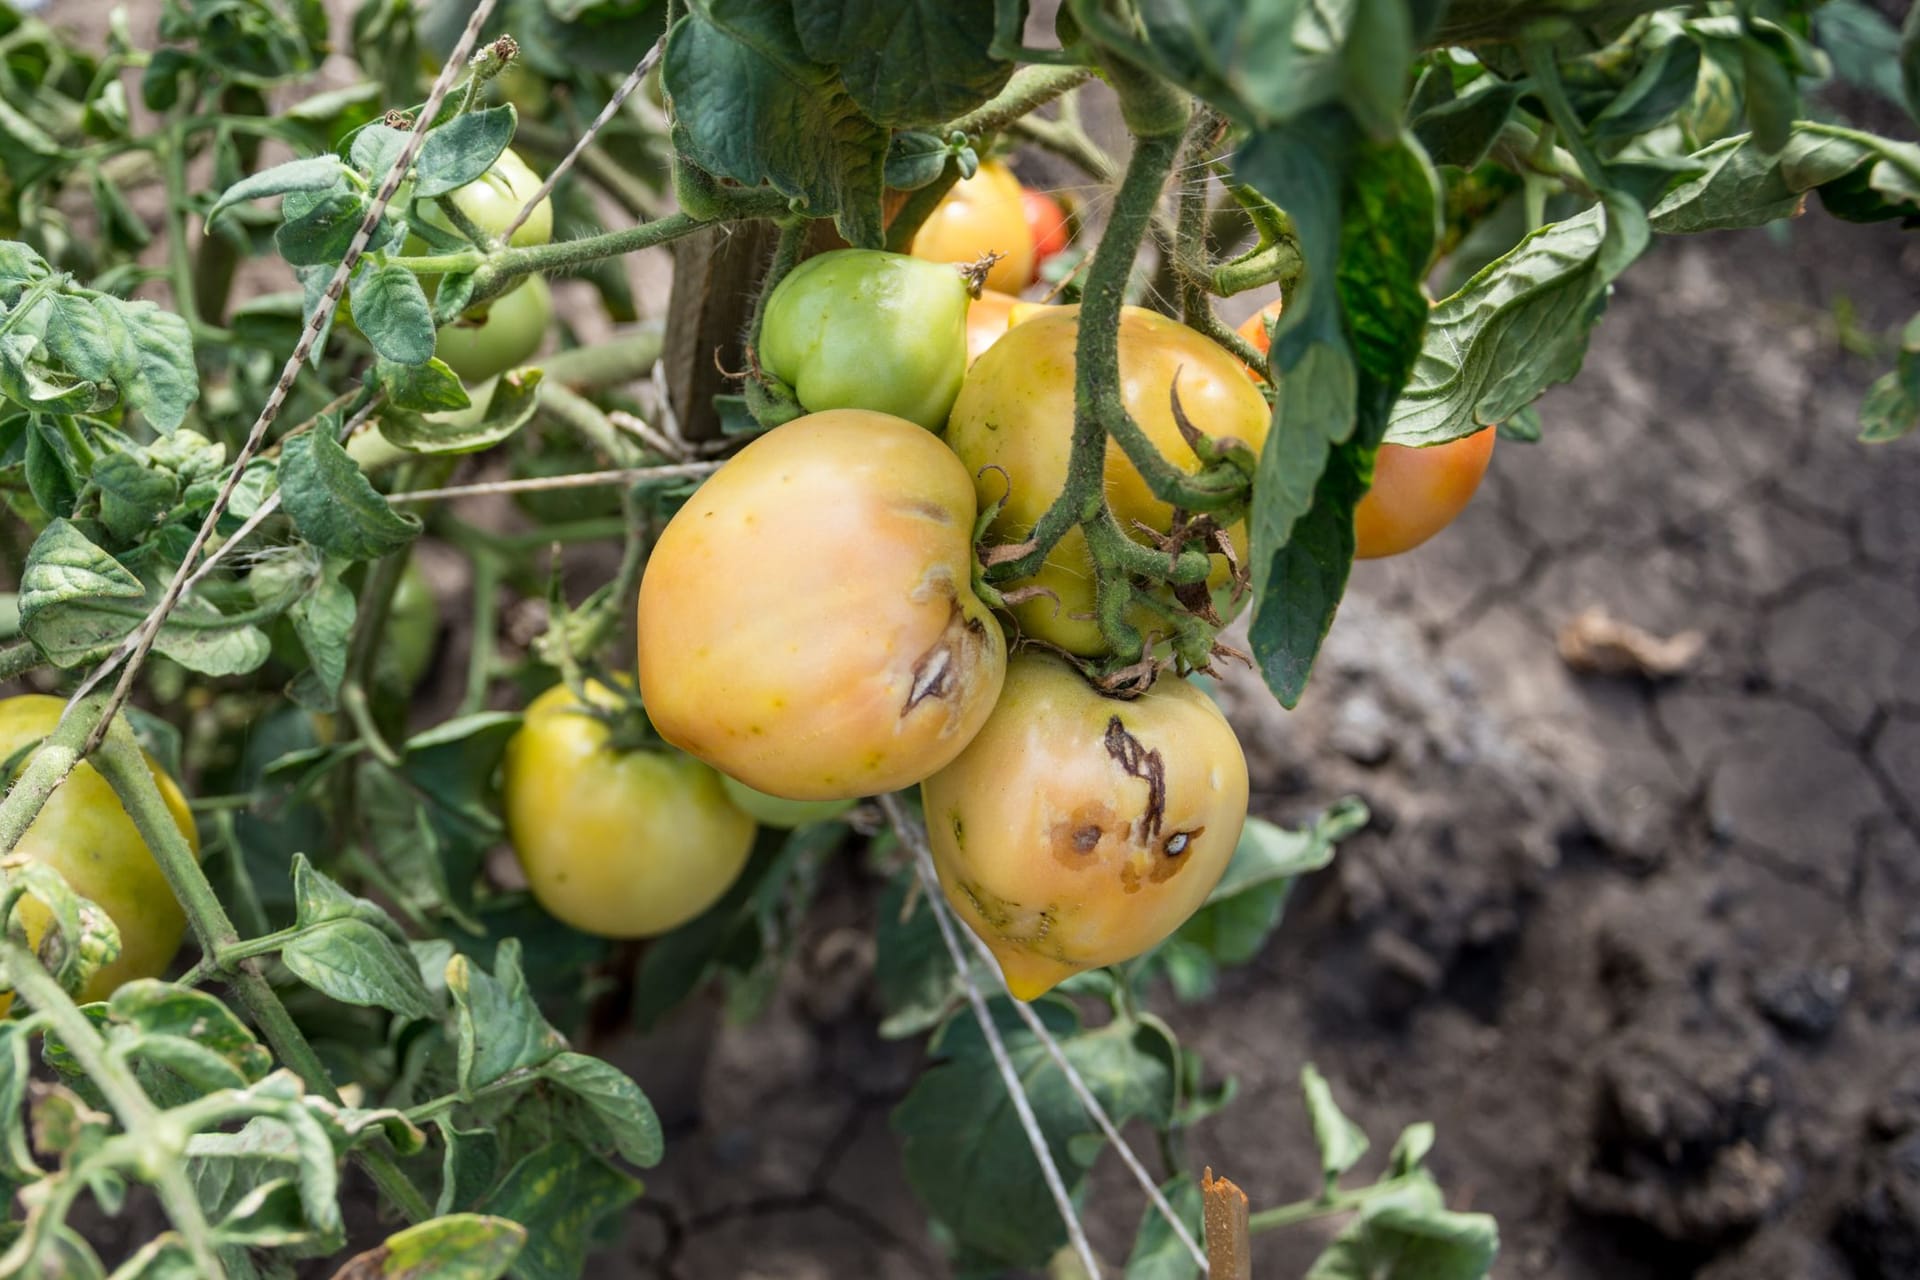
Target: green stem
x,y
1277,263
1066,139
1029,87
136,1112
786,256
583,417
18,658
54,759
918,208
626,357
125,769
173,161
1287,1215
486,588
1537,57
1190,244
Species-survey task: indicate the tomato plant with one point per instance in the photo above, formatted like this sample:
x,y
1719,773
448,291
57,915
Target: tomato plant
x,y
1013,427
617,843
855,329
815,483
1079,829
983,214
847,623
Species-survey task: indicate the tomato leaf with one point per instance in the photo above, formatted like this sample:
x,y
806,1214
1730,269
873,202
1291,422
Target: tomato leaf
x,y
424,388
163,1009
511,405
355,963
319,226
966,1153
1407,1235
500,1027
907,62
1158,1253
461,151
466,1246
1340,1140
333,504
309,176
392,310
613,1114
133,496
751,106
63,588
558,1194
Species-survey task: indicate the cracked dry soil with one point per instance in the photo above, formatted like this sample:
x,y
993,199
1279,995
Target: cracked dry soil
x,y
1647,954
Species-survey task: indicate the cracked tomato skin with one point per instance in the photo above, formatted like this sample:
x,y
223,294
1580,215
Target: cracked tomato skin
x,y
863,329
807,620
621,844
1015,412
85,835
1079,830
981,215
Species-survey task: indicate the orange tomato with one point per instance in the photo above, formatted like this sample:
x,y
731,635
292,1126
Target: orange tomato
x,y
981,215
1046,223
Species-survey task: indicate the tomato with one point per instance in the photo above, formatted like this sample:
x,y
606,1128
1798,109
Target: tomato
x,y
1258,329
412,631
1078,830
807,620
1417,492
989,316
492,200
622,844
1015,412
862,329
507,336
1046,223
981,215
772,811
85,835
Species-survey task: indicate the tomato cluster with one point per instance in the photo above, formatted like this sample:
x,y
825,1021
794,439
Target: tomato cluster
x,y
811,630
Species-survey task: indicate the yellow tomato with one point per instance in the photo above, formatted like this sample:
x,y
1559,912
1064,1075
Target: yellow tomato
x,y
623,844
85,835
980,215
807,621
1015,412
1079,830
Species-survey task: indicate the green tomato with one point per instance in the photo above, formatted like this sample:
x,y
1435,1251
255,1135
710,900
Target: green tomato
x,y
508,335
772,811
491,200
413,628
861,329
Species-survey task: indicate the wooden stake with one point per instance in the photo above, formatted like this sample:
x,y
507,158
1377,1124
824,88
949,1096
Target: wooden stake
x,y
1229,1247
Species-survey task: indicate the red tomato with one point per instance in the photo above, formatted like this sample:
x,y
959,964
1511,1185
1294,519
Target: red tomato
x,y
1048,223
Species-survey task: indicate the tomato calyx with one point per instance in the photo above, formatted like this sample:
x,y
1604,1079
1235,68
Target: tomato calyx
x,y
975,273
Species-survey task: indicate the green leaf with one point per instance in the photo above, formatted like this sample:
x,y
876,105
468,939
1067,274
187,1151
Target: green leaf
x,y
1407,1235
267,1217
622,1120
1744,185
907,62
311,175
913,973
1662,87
1389,229
1409,1149
1245,906
333,504
1460,130
467,1170
375,148
425,388
319,228
558,1193
133,496
500,1026
452,763
165,1257
1517,327
15,1071
392,310
1158,1253
203,1070
323,619
510,405
1771,96
1340,1140
153,364
966,1153
748,105
459,152
1910,60
62,588
464,1246
51,480
355,963
1891,408
915,159
33,385
163,1009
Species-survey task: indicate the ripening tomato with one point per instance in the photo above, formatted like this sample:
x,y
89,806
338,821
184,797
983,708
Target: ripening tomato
x,y
1258,329
989,316
622,844
85,835
507,336
807,621
772,811
1078,830
1046,223
862,329
981,215
1015,412
1417,492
